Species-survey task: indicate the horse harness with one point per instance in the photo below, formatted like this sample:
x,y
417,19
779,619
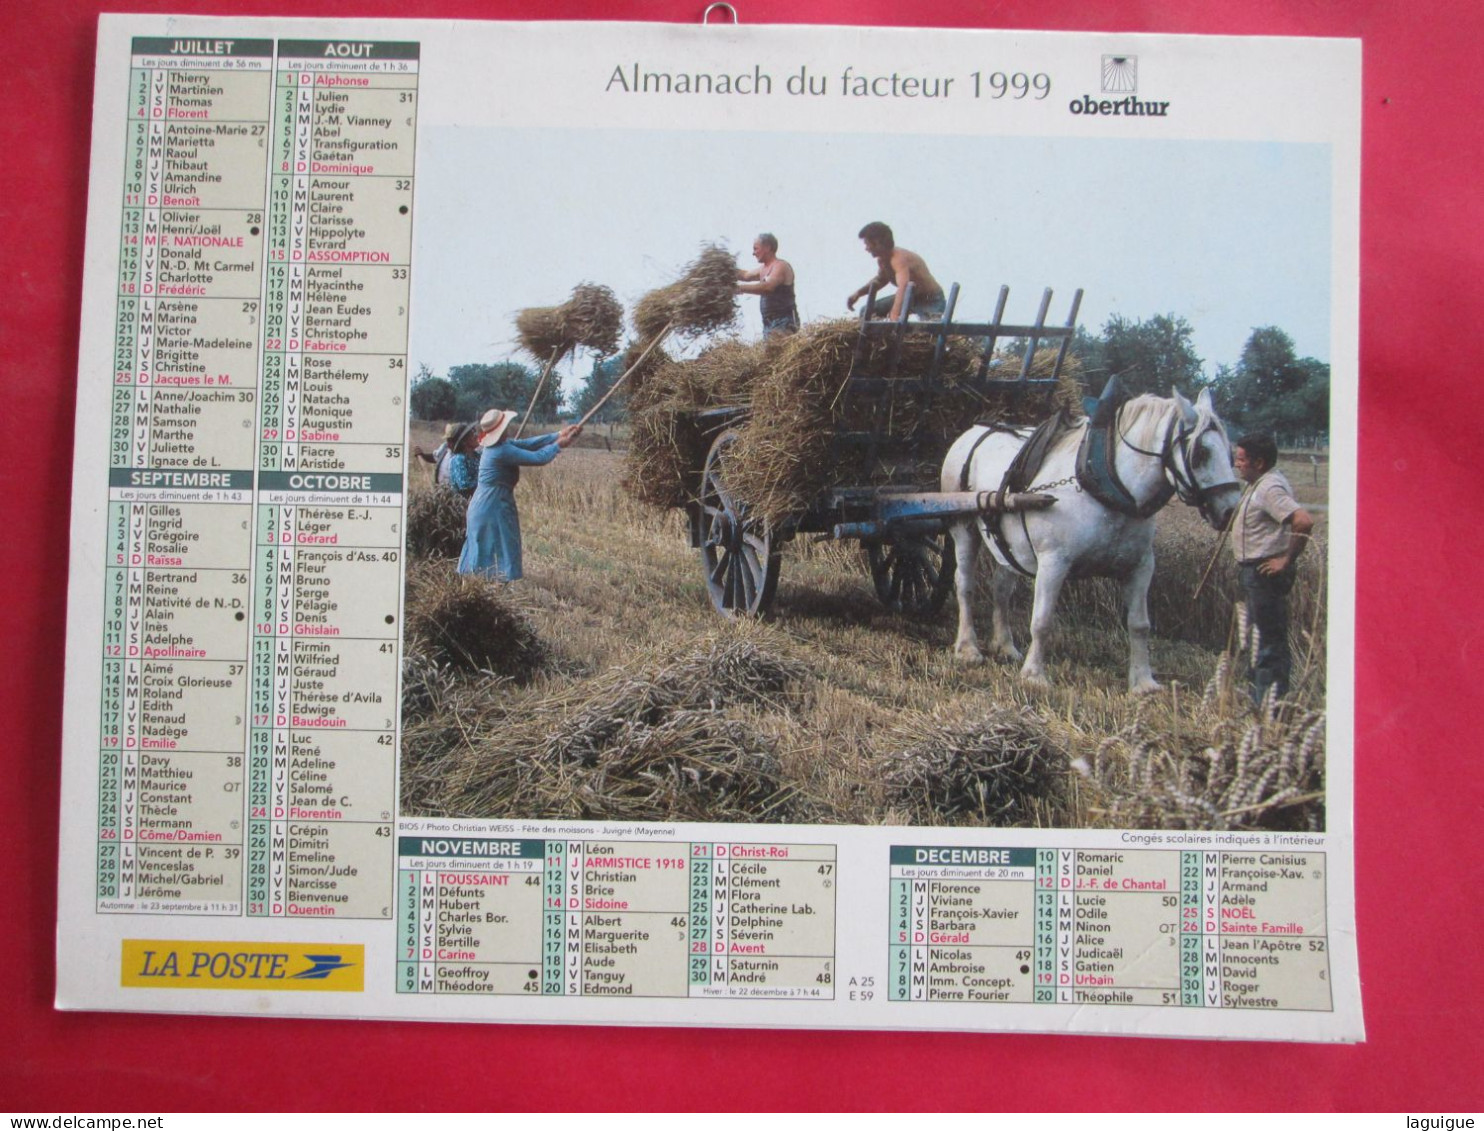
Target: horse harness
x,y
1097,471
1179,465
1018,476
1097,465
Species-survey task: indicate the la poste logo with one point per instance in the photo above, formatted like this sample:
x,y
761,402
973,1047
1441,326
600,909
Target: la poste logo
x,y
182,964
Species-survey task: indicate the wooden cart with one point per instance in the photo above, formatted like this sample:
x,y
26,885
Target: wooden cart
x,y
901,523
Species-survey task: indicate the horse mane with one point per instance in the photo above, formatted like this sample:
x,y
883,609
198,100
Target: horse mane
x,y
1146,404
1147,407
1141,415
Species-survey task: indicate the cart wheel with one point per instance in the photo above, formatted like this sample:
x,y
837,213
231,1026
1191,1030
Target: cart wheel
x,y
737,550
913,573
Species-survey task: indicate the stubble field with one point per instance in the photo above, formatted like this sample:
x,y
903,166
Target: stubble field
x,y
603,686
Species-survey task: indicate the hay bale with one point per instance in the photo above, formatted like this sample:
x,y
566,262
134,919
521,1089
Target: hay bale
x,y
469,625
702,300
592,317
995,770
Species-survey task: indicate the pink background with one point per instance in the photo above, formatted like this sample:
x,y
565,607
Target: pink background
x,y
1419,636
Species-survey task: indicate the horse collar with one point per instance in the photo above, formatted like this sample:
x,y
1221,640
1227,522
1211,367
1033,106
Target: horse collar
x,y
1097,470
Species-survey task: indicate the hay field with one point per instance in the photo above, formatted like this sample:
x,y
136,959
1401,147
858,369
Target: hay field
x,y
622,695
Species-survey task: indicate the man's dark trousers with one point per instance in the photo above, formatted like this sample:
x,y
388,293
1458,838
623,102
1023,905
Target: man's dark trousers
x,y
1267,610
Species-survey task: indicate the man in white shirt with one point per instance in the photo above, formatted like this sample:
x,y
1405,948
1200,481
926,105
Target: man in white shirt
x,y
1269,531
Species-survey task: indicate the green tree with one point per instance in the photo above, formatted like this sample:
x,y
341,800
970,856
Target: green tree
x,y
505,384
433,398
605,371
1272,389
1088,349
1151,355
1307,407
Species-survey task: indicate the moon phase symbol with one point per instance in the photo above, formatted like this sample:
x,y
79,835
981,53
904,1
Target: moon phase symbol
x,y
1120,74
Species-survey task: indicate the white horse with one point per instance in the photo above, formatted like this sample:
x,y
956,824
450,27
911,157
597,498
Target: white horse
x,y
1161,447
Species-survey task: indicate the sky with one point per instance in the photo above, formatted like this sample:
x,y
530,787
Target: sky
x,y
1228,235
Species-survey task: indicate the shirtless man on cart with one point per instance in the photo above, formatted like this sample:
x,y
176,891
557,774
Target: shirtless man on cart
x,y
898,266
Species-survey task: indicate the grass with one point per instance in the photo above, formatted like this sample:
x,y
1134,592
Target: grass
x,y
636,701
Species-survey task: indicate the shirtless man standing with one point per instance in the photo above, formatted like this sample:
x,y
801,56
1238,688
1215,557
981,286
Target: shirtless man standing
x,y
899,266
773,281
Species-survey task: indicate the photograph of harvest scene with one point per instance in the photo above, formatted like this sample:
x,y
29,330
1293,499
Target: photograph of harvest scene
x,y
992,494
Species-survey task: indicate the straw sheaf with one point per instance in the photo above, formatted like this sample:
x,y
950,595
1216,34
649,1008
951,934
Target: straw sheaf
x,y
722,375
667,447
467,625
720,672
666,452
1265,772
635,391
996,770
597,317
701,301
784,456
592,317
670,739
543,332
799,398
437,520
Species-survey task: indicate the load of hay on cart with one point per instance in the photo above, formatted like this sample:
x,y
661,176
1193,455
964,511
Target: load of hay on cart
x,y
839,432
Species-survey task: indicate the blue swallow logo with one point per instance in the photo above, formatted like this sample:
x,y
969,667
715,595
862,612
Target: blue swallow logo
x,y
324,966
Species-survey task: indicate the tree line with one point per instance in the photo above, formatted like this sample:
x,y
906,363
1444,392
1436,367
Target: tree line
x,y
469,390
1268,389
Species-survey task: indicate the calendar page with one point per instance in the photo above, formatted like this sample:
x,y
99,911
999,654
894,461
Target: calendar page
x,y
718,525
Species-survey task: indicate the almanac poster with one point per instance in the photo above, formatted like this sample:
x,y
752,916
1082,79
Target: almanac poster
x,y
715,525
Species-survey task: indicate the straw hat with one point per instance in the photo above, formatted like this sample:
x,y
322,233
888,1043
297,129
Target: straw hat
x,y
460,437
492,426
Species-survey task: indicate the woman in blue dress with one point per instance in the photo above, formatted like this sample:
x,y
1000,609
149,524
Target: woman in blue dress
x,y
492,544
